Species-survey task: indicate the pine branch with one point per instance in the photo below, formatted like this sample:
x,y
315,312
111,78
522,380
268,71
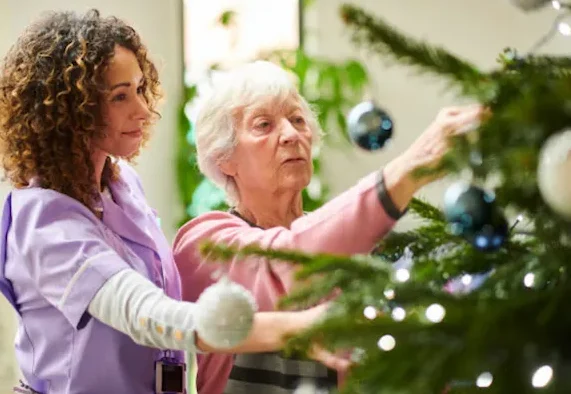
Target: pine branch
x,y
386,40
557,64
314,262
419,241
474,336
425,210
357,267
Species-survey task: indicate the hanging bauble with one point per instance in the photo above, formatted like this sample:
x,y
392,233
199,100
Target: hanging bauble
x,y
473,214
224,314
492,235
369,127
553,173
306,386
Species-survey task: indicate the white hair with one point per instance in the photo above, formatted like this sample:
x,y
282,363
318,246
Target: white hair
x,y
215,128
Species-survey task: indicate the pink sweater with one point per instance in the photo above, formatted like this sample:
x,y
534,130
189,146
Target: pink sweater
x,y
351,223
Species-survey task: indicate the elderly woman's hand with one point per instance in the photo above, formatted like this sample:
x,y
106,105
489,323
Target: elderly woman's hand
x,y
339,362
428,150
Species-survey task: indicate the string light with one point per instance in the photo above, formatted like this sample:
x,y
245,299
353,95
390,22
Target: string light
x,y
484,380
370,312
564,28
529,279
398,314
435,313
402,275
466,280
558,26
542,376
389,294
386,343
519,219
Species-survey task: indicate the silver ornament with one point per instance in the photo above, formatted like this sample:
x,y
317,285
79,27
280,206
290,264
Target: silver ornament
x,y
225,314
554,173
306,387
369,126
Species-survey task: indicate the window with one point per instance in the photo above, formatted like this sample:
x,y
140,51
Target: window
x,y
252,27
219,34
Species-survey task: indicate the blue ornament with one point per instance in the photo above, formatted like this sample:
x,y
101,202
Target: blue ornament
x,y
473,214
369,126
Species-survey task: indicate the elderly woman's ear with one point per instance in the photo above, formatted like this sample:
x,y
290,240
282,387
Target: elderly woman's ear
x,y
228,167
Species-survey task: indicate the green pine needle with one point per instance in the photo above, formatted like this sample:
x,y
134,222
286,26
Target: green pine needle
x,y
384,39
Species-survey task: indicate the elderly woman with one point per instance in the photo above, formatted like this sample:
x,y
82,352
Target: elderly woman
x,y
254,137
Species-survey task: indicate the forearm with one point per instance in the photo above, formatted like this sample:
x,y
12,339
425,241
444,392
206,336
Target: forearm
x,y
351,223
130,303
269,332
133,305
399,182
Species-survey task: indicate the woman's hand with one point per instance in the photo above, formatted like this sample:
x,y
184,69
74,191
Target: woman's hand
x,y
428,150
434,143
270,331
317,353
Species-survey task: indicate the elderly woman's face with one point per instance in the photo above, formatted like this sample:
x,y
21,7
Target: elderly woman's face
x,y
273,150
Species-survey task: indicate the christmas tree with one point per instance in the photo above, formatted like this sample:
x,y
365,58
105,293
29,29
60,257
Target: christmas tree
x,y
474,299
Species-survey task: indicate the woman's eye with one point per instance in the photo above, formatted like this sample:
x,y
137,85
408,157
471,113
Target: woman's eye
x,y
120,97
299,120
264,125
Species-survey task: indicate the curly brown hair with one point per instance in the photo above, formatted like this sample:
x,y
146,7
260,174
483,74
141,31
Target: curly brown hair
x,y
51,90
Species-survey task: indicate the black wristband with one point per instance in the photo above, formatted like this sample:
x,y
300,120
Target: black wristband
x,y
386,200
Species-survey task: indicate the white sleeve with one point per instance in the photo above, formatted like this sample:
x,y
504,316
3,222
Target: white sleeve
x,y
130,303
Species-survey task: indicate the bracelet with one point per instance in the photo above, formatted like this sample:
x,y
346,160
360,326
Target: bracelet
x,y
386,200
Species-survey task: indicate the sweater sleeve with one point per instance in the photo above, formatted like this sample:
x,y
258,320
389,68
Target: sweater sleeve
x,y
351,223
130,303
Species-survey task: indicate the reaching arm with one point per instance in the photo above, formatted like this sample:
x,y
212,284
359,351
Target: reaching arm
x,y
130,303
351,223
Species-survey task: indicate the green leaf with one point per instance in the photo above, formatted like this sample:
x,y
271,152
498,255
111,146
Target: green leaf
x,y
306,3
356,75
227,17
190,92
301,67
342,123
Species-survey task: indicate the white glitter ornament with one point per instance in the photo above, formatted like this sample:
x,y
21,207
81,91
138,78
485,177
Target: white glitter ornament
x,y
554,173
308,386
225,314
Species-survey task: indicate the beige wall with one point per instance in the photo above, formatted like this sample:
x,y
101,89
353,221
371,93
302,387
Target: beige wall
x,y
158,21
475,29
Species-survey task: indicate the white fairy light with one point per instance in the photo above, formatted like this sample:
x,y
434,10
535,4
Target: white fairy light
x,y
389,294
370,312
564,28
398,314
386,343
402,275
466,280
435,313
542,376
484,380
529,279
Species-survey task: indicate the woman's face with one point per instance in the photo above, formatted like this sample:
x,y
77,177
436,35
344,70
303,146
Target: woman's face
x,y
125,110
273,148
